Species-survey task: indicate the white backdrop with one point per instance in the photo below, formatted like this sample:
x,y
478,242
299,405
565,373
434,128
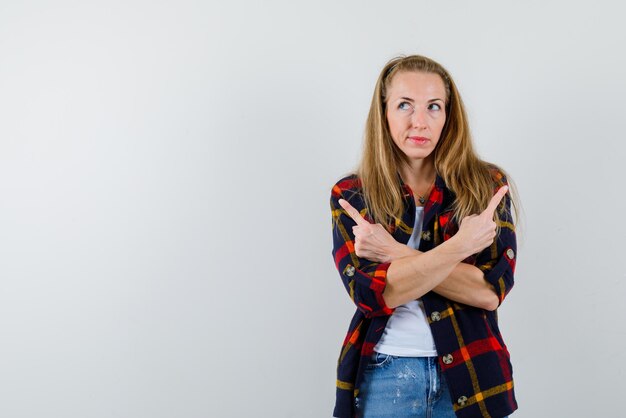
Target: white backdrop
x,y
165,170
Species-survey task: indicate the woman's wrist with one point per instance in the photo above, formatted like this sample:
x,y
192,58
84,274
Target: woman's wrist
x,y
458,245
401,251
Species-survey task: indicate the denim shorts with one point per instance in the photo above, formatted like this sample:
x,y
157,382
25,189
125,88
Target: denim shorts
x,y
403,387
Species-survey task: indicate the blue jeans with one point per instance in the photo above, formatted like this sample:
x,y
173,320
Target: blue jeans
x,y
402,387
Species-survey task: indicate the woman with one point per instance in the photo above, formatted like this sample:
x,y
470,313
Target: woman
x,y
425,245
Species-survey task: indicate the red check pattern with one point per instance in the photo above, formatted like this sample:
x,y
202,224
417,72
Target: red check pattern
x,y
471,350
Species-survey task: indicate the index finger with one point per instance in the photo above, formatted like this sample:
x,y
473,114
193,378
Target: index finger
x,y
353,213
495,201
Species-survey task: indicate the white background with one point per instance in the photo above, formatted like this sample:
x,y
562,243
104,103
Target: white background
x,y
165,174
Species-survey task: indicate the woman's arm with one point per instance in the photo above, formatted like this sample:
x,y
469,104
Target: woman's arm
x,y
411,277
466,283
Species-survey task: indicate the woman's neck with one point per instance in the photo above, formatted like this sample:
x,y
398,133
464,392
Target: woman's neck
x,y
418,172
420,176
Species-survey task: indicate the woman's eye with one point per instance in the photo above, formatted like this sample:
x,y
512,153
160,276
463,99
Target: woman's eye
x,y
404,106
434,106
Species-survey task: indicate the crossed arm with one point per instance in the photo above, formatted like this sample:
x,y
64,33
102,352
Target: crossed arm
x,y
413,273
465,284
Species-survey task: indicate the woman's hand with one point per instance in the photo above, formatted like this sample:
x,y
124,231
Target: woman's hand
x,y
477,232
372,241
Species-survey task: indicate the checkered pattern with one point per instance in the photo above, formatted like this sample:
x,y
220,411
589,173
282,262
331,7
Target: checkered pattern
x,y
471,351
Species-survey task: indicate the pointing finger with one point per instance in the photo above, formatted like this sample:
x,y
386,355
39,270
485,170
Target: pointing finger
x,y
495,201
353,213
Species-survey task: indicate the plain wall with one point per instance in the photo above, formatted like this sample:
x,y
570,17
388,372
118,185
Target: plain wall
x,y
165,174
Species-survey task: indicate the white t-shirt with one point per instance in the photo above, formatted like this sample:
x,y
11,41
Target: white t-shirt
x,y
407,333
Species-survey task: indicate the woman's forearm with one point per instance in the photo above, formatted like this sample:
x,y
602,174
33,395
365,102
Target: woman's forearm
x,y
465,284
409,278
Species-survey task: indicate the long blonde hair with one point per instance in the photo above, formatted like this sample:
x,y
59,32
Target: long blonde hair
x,y
464,173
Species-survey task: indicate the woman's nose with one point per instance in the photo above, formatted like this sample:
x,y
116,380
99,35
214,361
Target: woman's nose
x,y
418,119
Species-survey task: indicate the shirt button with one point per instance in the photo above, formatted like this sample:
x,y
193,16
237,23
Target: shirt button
x,y
349,270
448,359
435,316
426,235
462,400
510,253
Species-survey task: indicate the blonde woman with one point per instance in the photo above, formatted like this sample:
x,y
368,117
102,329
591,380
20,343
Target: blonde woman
x,y
424,241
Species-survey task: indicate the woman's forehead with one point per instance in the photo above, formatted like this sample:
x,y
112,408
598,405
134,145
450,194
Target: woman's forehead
x,y
416,85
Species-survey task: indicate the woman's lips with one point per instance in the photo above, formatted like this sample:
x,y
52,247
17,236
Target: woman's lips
x,y
419,140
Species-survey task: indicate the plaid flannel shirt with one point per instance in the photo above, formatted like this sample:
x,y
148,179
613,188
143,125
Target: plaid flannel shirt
x,y
472,354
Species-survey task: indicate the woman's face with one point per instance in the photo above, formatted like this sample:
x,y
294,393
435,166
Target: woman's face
x,y
416,112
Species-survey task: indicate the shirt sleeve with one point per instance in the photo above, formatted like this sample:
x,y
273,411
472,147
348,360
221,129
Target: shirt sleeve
x,y
497,261
363,279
